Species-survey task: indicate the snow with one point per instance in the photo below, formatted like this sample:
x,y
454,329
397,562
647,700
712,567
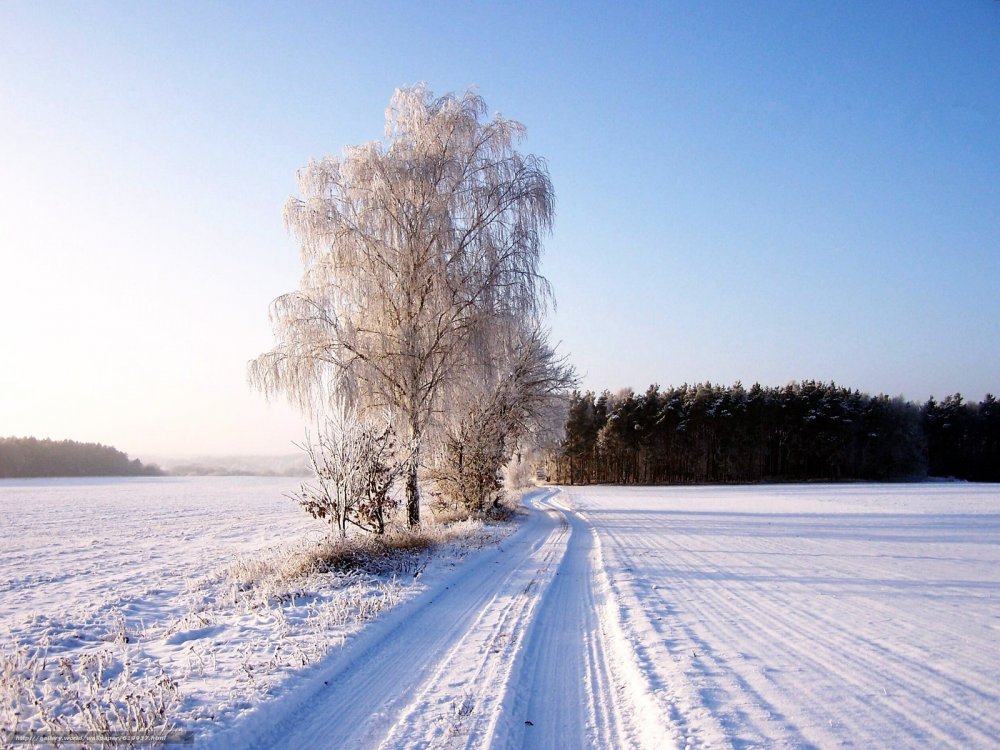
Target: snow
x,y
798,616
188,578
826,616
768,616
92,542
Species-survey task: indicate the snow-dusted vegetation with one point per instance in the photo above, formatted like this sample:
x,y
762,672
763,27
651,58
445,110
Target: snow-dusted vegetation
x,y
130,605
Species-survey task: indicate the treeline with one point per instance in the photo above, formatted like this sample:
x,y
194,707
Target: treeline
x,y
30,457
963,440
802,431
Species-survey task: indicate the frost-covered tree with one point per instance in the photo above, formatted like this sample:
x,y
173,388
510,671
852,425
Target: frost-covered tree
x,y
418,251
526,398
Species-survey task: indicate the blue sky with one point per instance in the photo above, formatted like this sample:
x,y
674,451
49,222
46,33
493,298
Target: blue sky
x,y
745,191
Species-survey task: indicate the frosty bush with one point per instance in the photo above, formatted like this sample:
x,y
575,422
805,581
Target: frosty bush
x,y
355,464
466,474
525,401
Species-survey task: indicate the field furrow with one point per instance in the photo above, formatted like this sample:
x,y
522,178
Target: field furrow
x,y
832,625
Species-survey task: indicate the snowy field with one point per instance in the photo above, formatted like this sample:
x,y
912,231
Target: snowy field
x,y
73,545
180,595
717,617
810,616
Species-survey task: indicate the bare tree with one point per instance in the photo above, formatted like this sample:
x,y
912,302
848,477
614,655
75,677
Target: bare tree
x,y
418,250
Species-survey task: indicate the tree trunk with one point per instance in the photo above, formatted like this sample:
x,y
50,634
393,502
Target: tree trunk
x,y
342,512
412,491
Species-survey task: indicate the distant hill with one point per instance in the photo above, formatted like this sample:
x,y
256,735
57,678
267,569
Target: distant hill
x,y
291,465
31,457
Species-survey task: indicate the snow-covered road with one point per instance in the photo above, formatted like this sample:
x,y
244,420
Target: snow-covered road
x,y
799,617
510,652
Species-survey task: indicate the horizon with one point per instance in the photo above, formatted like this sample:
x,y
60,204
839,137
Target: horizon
x,y
769,194
168,460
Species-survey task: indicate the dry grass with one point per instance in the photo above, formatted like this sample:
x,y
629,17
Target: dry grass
x,y
504,512
95,693
397,553
274,575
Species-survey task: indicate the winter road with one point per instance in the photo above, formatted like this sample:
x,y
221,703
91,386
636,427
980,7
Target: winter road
x,y
683,617
511,653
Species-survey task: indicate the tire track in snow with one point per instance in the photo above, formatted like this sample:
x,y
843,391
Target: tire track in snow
x,y
459,705
372,692
525,648
693,724
725,704
572,686
814,639
750,703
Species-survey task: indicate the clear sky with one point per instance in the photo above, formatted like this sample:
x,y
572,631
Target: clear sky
x,y
745,191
